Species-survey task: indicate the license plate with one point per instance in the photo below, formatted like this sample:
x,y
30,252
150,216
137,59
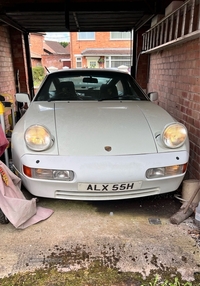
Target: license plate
x,y
86,187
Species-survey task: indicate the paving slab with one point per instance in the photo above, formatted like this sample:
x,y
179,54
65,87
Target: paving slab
x,y
131,235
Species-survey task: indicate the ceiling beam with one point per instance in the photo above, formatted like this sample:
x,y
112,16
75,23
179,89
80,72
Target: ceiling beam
x,y
74,5
79,15
8,21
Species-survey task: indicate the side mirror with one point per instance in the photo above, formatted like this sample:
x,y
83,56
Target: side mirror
x,y
22,97
153,95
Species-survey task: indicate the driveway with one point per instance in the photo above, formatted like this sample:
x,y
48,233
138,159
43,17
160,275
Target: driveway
x,y
131,235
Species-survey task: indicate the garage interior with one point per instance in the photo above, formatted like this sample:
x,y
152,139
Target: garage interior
x,y
166,39
166,59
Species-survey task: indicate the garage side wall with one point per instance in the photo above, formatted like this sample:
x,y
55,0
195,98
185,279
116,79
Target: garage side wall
x,y
175,75
19,60
12,59
141,62
7,82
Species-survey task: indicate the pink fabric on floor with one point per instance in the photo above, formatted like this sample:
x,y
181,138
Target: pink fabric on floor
x,y
3,141
19,211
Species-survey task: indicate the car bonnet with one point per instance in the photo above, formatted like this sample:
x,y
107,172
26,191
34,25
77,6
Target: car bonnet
x,y
102,128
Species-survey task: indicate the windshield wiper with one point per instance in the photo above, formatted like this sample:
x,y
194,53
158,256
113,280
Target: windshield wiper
x,y
120,97
110,98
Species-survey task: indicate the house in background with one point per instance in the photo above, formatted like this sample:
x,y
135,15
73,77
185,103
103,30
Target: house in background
x,y
36,41
55,55
85,50
49,54
101,50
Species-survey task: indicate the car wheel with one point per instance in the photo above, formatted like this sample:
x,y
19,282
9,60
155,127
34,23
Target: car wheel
x,y
3,218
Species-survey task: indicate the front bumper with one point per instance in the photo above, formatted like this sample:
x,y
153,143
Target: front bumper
x,y
102,170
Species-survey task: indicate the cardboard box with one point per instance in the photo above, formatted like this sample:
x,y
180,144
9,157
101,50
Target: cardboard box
x,y
156,19
173,6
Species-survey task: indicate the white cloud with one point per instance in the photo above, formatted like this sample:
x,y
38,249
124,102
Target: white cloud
x,y
57,37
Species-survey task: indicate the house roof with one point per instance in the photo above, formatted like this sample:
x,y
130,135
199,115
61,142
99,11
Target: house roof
x,y
47,48
55,48
106,52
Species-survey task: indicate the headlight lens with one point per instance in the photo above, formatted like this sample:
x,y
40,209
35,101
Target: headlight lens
x,y
38,138
174,135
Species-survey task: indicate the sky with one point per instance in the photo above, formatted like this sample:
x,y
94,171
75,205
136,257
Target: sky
x,y
57,36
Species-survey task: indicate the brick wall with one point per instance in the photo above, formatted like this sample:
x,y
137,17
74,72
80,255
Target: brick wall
x,y
7,82
11,61
55,61
36,43
19,59
175,74
35,62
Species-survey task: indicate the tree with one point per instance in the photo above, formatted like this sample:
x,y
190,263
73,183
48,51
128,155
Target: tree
x,y
64,44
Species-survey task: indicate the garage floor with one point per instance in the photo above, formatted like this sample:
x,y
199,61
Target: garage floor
x,y
131,235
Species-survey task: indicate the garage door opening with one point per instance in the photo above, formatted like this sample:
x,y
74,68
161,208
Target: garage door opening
x,y
82,50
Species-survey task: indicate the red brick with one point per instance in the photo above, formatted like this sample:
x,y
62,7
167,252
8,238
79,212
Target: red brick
x,y
196,98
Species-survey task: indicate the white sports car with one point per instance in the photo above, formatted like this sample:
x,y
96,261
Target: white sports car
x,y
93,134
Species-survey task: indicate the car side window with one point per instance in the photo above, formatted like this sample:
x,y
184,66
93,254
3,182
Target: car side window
x,y
52,87
52,90
120,88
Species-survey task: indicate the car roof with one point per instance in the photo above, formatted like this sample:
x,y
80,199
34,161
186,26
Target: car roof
x,y
89,70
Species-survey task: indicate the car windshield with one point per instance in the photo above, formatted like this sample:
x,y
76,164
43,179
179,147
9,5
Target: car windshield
x,y
89,85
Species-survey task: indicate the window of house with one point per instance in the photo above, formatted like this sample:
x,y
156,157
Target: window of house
x,y
116,61
86,36
120,35
93,64
79,62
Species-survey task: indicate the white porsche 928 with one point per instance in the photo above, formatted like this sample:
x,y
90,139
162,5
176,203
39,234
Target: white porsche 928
x,y
93,134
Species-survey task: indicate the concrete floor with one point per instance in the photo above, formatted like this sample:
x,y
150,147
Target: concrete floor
x,y
131,235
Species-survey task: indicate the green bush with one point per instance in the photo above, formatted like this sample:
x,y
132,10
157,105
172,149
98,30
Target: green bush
x,y
38,74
